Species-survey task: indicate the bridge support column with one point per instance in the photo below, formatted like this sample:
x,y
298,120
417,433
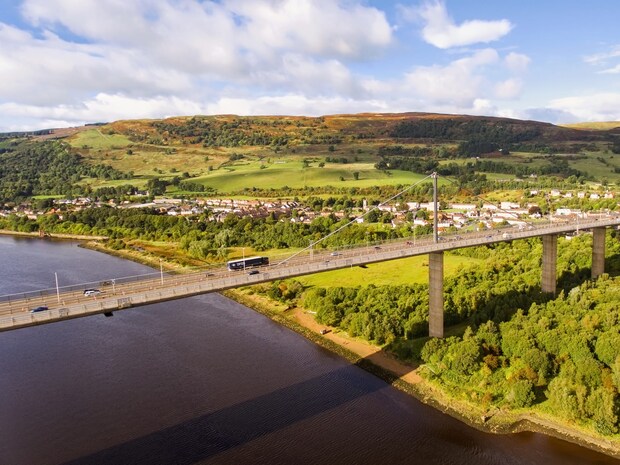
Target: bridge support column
x,y
549,259
598,252
435,294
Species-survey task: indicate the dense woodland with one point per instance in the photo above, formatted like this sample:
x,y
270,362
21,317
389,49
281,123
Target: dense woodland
x,y
28,169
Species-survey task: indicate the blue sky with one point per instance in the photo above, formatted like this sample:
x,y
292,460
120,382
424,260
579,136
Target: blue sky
x,y
69,62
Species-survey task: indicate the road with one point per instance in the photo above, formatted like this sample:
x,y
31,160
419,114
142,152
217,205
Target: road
x,y
119,293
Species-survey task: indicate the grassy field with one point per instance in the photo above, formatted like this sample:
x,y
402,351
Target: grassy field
x,y
599,126
94,139
598,169
291,172
599,165
412,270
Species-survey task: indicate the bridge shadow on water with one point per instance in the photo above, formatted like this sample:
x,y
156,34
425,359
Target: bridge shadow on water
x,y
205,436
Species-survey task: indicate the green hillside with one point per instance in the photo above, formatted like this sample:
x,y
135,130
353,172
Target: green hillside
x,y
229,153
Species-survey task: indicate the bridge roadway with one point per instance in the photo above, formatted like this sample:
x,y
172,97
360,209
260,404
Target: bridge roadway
x,y
126,293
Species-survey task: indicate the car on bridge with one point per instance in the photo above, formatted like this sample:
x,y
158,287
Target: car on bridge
x,y
91,292
253,272
41,308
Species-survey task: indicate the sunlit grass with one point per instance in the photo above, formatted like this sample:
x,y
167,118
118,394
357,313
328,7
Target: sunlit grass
x,y
413,270
95,139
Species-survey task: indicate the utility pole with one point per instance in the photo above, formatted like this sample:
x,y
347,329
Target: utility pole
x,y
57,288
435,208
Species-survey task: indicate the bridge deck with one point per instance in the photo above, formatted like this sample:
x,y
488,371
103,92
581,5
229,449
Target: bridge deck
x,y
15,312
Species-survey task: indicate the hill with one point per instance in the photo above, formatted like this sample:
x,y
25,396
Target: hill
x,y
232,131
229,153
270,155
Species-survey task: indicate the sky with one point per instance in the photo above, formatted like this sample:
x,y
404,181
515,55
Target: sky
x,y
69,62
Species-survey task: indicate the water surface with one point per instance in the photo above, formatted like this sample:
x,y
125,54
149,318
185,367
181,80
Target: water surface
x,y
205,380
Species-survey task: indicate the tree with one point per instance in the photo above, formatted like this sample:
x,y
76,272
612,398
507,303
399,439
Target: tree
x,y
373,216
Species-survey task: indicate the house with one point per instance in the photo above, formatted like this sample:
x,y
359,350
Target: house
x,y
463,206
508,205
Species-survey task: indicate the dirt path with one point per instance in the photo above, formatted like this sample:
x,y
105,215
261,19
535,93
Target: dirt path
x,y
365,350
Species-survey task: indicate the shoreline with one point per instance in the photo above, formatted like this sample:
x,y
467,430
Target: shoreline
x,y
61,236
406,378
374,360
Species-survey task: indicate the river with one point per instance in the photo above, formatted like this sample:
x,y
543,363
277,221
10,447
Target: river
x,y
205,380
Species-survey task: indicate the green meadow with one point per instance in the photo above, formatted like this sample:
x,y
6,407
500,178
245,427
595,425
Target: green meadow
x,y
96,140
413,270
292,173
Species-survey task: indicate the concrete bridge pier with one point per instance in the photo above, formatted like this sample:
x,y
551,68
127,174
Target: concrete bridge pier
x,y
435,294
598,252
549,261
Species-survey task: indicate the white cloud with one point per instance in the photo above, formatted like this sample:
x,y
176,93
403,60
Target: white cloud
x,y
614,52
517,62
324,28
441,31
460,83
146,48
614,70
96,60
604,59
101,108
293,104
595,107
508,89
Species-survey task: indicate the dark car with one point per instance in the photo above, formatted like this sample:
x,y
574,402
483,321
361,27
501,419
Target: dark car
x,y
253,272
41,308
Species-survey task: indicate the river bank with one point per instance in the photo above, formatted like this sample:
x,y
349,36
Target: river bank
x,y
76,237
407,378
404,377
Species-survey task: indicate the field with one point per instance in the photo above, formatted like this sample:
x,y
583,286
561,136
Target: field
x,y
412,270
597,126
96,140
292,173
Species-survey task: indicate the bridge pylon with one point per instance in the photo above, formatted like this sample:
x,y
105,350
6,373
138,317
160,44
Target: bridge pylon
x,y
598,252
435,294
549,263
435,209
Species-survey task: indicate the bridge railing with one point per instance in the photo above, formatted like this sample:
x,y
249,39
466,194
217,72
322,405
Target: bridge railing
x,y
458,239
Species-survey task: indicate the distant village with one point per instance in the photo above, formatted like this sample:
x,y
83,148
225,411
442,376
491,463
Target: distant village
x,y
455,216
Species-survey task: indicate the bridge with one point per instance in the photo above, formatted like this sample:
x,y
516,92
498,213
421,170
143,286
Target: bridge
x,y
123,293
